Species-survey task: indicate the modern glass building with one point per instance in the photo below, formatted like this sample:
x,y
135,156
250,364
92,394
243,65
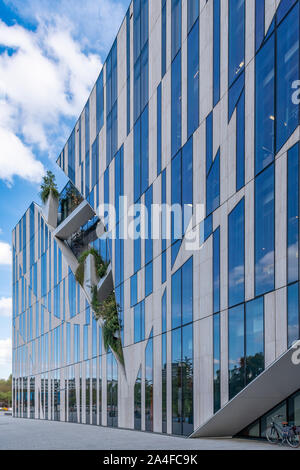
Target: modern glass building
x,y
197,105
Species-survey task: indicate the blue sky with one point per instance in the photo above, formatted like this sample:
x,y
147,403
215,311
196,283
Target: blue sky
x,y
51,52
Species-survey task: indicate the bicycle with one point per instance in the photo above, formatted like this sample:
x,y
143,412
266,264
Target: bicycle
x,y
284,431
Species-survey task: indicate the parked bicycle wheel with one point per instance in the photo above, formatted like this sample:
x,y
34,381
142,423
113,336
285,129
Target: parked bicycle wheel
x,y
293,440
272,435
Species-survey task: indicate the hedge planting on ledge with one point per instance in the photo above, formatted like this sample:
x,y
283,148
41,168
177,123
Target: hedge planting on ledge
x,y
108,311
100,265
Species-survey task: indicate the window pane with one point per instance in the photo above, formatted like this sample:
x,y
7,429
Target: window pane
x,y
176,104
287,72
144,77
213,186
164,312
144,22
133,290
240,143
267,419
293,214
176,299
283,8
137,324
148,279
236,351
259,22
264,232
176,196
236,38
293,314
187,292
164,383
187,380
137,160
236,255
217,363
187,183
193,79
149,240
100,103
144,150
137,28
159,128
176,27
217,47
209,142
138,402
254,339
176,382
149,386
193,12
216,270
164,38
265,106
294,409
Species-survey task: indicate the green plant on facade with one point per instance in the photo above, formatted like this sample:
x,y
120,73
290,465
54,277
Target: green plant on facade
x,y
100,265
48,186
108,311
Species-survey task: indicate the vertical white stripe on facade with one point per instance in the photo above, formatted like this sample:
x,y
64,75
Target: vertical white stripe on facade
x,y
281,321
122,84
154,47
249,241
206,60
224,48
224,358
270,328
281,221
250,31
270,8
206,368
249,121
152,129
93,130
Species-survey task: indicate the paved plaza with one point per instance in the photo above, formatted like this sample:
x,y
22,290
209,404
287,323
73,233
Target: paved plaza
x,y
26,434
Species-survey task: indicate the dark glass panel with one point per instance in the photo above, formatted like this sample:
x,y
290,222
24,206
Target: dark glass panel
x,y
265,105
236,255
254,339
264,232
236,353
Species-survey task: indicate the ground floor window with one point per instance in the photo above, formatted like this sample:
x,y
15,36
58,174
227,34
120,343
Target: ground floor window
x,y
182,380
289,409
112,391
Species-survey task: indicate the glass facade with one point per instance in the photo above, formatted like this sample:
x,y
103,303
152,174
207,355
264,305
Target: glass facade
x,y
171,121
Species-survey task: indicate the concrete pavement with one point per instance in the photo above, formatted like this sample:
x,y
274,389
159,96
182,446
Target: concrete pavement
x,y
26,434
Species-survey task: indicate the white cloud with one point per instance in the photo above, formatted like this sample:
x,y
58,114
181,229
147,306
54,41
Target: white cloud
x,y
5,307
45,80
5,357
17,159
5,254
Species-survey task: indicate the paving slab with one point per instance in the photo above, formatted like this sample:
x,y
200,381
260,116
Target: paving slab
x,y
27,434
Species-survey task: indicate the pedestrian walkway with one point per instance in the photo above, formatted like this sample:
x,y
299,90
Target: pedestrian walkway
x,y
26,434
